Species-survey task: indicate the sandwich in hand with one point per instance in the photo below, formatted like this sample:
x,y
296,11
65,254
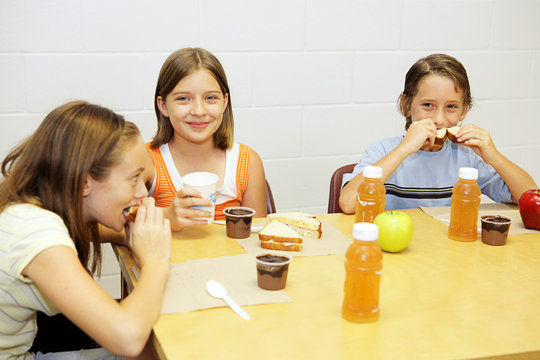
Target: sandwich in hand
x,y
441,136
278,236
131,213
450,133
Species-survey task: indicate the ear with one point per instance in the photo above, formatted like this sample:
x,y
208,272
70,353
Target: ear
x,y
87,186
403,104
162,106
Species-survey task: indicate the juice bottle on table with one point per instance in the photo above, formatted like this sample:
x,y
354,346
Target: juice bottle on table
x,y
363,265
465,202
370,199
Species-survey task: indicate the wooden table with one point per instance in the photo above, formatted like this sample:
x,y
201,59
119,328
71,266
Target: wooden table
x,y
439,299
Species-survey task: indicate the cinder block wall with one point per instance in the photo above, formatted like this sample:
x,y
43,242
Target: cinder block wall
x,y
312,82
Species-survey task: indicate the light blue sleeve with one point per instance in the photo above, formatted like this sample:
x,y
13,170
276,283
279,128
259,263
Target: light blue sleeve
x,y
373,153
492,184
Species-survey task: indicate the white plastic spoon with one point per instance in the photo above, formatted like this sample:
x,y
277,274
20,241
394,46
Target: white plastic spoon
x,y
218,291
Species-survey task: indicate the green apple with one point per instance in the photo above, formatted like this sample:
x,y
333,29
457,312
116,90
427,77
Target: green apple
x,y
395,230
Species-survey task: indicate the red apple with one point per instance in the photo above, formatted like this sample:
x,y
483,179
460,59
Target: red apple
x,y
529,208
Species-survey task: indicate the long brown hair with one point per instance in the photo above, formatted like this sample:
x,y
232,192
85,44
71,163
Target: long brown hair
x,y
178,65
49,168
434,64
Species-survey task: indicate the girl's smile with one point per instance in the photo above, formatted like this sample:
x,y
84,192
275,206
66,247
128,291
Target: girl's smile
x,y
198,124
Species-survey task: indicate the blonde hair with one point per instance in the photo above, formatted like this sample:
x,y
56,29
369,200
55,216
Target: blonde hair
x,y
434,64
50,167
178,65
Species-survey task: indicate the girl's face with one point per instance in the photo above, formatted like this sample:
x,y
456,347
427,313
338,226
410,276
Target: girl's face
x,y
438,99
195,107
105,200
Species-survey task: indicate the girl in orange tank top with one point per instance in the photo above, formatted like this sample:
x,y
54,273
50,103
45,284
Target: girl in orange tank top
x,y
195,133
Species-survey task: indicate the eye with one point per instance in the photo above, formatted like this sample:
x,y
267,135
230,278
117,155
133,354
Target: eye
x,y
182,98
427,105
452,106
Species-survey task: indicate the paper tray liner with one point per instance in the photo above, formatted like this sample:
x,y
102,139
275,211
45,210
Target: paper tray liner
x,y
186,287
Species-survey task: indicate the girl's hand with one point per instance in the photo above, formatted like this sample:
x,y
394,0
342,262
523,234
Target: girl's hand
x,y
150,235
420,135
479,140
181,213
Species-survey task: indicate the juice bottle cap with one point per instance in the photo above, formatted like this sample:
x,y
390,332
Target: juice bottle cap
x,y
365,231
372,172
468,173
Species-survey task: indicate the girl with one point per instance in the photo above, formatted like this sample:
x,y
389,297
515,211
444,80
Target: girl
x,y
82,167
195,133
416,171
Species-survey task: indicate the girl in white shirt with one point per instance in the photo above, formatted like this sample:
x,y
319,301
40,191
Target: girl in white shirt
x,y
81,168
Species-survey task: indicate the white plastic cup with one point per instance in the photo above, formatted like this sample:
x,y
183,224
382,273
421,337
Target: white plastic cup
x,y
205,183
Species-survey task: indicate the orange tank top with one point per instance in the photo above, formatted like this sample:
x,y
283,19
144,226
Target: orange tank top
x,y
165,191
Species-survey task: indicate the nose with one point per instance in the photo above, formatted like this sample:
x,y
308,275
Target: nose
x,y
439,118
140,189
198,108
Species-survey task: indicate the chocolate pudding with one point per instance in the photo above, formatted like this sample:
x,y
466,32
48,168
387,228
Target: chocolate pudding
x,y
495,229
238,220
272,271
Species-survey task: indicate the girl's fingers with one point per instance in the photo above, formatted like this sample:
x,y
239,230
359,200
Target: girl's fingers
x,y
188,192
150,210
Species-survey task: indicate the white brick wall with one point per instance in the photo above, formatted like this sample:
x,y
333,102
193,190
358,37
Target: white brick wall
x,y
313,82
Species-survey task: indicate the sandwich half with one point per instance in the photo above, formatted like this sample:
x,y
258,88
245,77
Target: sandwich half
x,y
304,224
452,133
278,236
131,213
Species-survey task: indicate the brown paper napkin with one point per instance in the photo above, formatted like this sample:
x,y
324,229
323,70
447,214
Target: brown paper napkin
x,y
186,286
332,241
442,214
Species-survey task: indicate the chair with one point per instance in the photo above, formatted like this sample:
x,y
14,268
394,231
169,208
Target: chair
x,y
335,187
270,205
57,333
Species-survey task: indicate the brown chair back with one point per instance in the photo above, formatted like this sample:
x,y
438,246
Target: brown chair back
x,y
335,187
270,205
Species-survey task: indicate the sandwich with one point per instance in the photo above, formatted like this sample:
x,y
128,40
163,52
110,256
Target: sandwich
x,y
452,133
444,133
441,136
304,224
131,213
278,236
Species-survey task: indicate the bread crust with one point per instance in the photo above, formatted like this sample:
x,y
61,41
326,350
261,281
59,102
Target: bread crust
x,y
297,219
271,245
451,132
265,237
441,136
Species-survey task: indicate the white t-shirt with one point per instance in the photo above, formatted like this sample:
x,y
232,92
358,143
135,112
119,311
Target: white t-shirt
x,y
25,231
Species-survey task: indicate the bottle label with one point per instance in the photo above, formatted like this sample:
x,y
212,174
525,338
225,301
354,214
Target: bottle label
x,y
364,203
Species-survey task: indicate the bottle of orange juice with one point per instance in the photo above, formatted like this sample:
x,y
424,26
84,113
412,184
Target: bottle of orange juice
x,y
465,202
370,199
363,265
